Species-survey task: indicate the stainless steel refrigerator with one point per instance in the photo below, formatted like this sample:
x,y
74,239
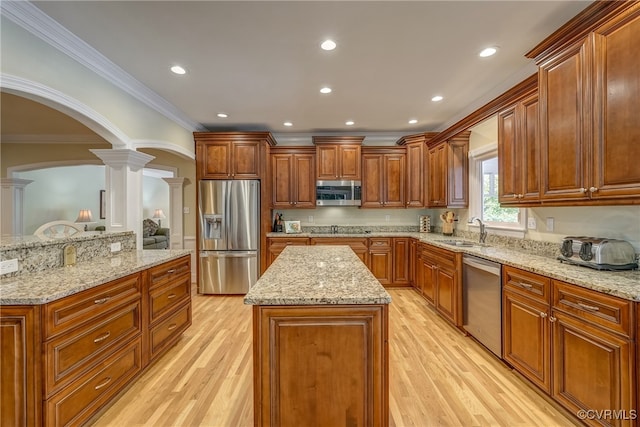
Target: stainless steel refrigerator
x,y
229,216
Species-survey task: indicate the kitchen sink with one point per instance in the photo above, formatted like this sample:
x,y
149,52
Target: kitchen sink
x,y
466,243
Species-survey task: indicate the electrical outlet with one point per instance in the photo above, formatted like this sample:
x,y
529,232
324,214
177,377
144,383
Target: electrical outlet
x,y
185,210
115,247
550,223
531,223
9,266
310,218
387,218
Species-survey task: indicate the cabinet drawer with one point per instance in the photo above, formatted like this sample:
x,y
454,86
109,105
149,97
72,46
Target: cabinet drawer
x,y
379,243
169,271
69,312
167,332
526,283
77,350
441,257
165,298
613,313
77,403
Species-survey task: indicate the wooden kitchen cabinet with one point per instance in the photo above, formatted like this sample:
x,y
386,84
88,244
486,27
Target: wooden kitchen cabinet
x,y
384,171
574,343
338,158
448,171
293,183
588,99
381,259
358,245
230,155
413,258
519,153
401,257
275,246
416,189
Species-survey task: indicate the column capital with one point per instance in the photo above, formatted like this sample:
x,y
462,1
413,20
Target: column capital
x,y
117,158
175,181
15,182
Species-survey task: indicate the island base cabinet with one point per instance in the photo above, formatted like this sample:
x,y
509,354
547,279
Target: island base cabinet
x,y
319,365
593,371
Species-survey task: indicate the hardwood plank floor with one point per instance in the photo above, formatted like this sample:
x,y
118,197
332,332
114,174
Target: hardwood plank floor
x,y
437,375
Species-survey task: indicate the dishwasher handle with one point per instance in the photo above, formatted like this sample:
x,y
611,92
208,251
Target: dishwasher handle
x,y
481,264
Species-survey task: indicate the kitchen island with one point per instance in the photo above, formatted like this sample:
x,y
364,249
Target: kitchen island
x,y
320,340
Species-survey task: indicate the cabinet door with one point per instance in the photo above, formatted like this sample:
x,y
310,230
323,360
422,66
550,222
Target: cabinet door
x,y
372,191
615,116
20,337
304,183
592,369
415,176
327,158
526,339
245,160
447,295
457,171
350,162
437,183
216,160
381,260
509,183
394,180
562,141
401,258
281,180
413,253
429,279
529,148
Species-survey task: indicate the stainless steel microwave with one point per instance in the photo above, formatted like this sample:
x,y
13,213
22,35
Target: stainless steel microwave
x,y
338,193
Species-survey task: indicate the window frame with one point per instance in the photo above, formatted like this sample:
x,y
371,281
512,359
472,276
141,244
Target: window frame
x,y
476,157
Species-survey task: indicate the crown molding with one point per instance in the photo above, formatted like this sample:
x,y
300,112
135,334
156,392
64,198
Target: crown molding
x,y
52,139
41,25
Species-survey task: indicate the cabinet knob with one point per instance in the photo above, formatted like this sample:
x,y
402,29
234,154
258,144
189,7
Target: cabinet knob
x,y
583,190
552,319
543,314
520,196
515,196
593,189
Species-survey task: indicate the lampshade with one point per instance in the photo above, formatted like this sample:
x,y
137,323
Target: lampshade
x,y
158,214
84,216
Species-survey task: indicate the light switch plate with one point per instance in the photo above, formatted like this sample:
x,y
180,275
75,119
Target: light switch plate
x,y
9,266
531,223
185,210
115,247
310,218
550,223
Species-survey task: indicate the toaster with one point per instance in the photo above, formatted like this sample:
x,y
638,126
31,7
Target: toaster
x,y
598,252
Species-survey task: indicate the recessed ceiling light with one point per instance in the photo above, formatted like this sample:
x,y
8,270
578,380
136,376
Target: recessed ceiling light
x,y
488,51
288,124
349,123
413,121
325,90
222,115
328,45
437,98
178,69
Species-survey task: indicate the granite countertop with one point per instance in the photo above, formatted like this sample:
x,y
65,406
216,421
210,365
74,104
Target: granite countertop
x,y
317,275
624,284
46,286
31,241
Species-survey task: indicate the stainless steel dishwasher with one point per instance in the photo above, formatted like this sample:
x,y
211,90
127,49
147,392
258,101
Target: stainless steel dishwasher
x,y
482,301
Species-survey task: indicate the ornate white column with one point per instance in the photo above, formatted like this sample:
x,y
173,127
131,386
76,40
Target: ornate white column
x,y
12,199
176,203
124,189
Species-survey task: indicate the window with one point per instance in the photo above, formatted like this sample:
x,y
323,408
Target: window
x,y
484,178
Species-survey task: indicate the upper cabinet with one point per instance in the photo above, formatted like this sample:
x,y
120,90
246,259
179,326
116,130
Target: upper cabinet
x,y
230,155
384,171
338,157
448,172
589,77
416,188
293,183
519,152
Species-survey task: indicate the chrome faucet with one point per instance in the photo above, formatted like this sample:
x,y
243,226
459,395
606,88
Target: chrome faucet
x,y
483,232
334,229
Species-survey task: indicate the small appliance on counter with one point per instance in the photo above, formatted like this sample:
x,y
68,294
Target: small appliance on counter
x,y
447,222
599,253
425,224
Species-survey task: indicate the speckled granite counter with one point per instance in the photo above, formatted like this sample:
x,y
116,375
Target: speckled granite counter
x,y
317,275
625,284
45,286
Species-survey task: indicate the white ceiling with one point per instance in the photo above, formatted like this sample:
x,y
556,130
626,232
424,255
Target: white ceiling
x,y
261,63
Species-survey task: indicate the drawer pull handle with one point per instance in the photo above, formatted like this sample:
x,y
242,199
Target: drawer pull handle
x,y
102,300
588,307
172,326
103,383
171,296
173,270
102,337
525,285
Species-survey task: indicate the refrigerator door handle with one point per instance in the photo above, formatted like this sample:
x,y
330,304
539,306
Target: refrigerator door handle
x,y
235,254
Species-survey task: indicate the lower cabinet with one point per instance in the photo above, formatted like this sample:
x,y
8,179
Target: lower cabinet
x,y
438,278
65,360
381,259
576,344
275,245
321,365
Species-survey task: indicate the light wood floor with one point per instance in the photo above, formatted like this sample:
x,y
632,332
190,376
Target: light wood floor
x,y
438,377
